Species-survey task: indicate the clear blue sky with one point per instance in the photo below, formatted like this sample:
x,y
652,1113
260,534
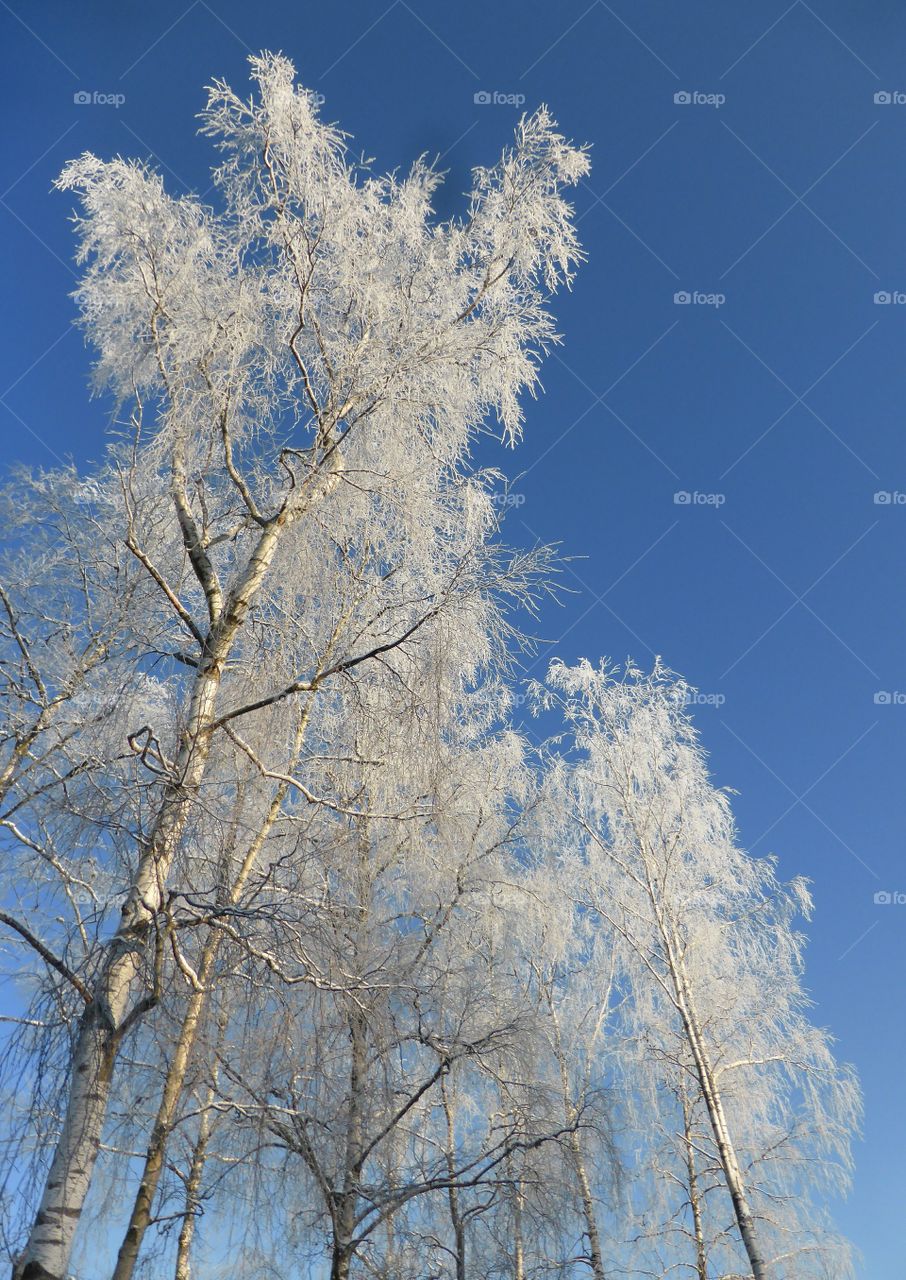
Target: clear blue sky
x,y
786,601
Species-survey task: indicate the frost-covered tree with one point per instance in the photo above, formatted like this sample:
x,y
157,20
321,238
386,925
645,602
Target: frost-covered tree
x,y
290,519
304,939
392,979
746,1090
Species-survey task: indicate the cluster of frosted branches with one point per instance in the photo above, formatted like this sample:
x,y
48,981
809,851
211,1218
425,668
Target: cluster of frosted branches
x,y
316,967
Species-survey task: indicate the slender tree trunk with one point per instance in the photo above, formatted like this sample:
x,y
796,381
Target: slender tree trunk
x,y
571,1116
701,1256
728,1159
140,1217
518,1240
77,1146
46,1254
390,1260
193,1186
595,1258
459,1230
163,1124
713,1102
344,1216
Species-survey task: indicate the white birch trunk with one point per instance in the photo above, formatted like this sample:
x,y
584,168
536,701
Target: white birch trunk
x,y
46,1255
193,1187
711,1096
701,1255
571,1116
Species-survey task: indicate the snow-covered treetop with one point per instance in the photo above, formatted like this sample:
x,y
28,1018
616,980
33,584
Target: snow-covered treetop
x,y
321,288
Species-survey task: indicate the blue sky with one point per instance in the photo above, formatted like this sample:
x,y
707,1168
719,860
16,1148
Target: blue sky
x,y
774,399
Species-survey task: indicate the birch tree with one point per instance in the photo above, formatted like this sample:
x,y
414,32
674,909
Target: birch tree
x,y
302,933
300,374
403,993
709,946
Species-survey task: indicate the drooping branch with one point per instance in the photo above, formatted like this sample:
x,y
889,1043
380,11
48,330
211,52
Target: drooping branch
x,y
47,955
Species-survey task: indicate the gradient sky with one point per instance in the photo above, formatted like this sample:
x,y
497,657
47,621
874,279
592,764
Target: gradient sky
x,y
778,192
